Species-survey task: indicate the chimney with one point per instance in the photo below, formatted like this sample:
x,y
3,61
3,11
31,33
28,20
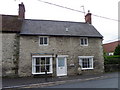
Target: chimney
x,y
21,11
88,17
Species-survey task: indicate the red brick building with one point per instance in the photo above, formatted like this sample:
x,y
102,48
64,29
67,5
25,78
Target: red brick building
x,y
110,47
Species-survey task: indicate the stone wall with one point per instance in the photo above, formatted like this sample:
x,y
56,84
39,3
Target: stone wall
x,y
10,45
112,67
61,46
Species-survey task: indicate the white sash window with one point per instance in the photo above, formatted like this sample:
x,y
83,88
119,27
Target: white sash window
x,y
86,62
40,64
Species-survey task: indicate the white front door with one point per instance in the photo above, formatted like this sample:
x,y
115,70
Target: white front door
x,y
61,66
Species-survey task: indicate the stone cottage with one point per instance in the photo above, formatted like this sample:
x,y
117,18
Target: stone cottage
x,y
58,47
10,44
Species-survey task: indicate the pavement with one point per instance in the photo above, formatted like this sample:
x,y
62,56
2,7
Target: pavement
x,y
35,82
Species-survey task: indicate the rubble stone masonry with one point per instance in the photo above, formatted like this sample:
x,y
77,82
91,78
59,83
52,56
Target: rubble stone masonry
x,y
10,52
61,46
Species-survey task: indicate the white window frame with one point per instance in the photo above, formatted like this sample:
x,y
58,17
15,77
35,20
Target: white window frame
x,y
34,64
43,40
91,60
83,41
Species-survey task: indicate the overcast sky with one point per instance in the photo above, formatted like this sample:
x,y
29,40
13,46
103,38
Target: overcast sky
x,y
39,10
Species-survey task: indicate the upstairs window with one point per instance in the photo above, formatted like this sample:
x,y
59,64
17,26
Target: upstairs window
x,y
43,41
84,41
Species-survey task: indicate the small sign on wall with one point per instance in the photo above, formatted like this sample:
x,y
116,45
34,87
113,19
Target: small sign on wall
x,y
72,65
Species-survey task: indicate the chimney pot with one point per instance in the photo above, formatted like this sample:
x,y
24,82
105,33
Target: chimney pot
x,y
21,11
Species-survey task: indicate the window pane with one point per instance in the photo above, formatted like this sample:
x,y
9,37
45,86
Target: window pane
x,y
85,40
43,68
84,63
37,61
41,40
47,60
61,62
42,60
88,63
48,68
37,69
45,40
82,42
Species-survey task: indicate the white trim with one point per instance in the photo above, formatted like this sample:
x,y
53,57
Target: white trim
x,y
80,59
42,73
51,67
34,64
43,41
42,56
65,57
86,68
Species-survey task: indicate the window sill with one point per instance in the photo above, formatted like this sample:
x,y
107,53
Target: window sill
x,y
42,73
87,68
44,45
83,45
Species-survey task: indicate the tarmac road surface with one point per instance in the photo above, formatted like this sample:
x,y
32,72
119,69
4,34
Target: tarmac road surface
x,y
98,83
107,80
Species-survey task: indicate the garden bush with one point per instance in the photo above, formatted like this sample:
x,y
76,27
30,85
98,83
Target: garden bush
x,y
112,63
112,59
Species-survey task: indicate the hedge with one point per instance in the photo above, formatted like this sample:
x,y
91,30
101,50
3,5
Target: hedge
x,y
112,59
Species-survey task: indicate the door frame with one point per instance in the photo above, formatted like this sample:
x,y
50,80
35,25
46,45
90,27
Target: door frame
x,y
65,57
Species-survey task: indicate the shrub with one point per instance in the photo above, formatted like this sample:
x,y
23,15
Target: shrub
x,y
112,59
117,50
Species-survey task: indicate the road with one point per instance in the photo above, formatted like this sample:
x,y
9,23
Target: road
x,y
98,83
107,80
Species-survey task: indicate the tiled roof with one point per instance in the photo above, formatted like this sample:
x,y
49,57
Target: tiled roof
x,y
11,23
58,28
110,47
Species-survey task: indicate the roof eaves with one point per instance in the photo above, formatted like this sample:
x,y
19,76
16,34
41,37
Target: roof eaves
x,y
61,35
8,31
